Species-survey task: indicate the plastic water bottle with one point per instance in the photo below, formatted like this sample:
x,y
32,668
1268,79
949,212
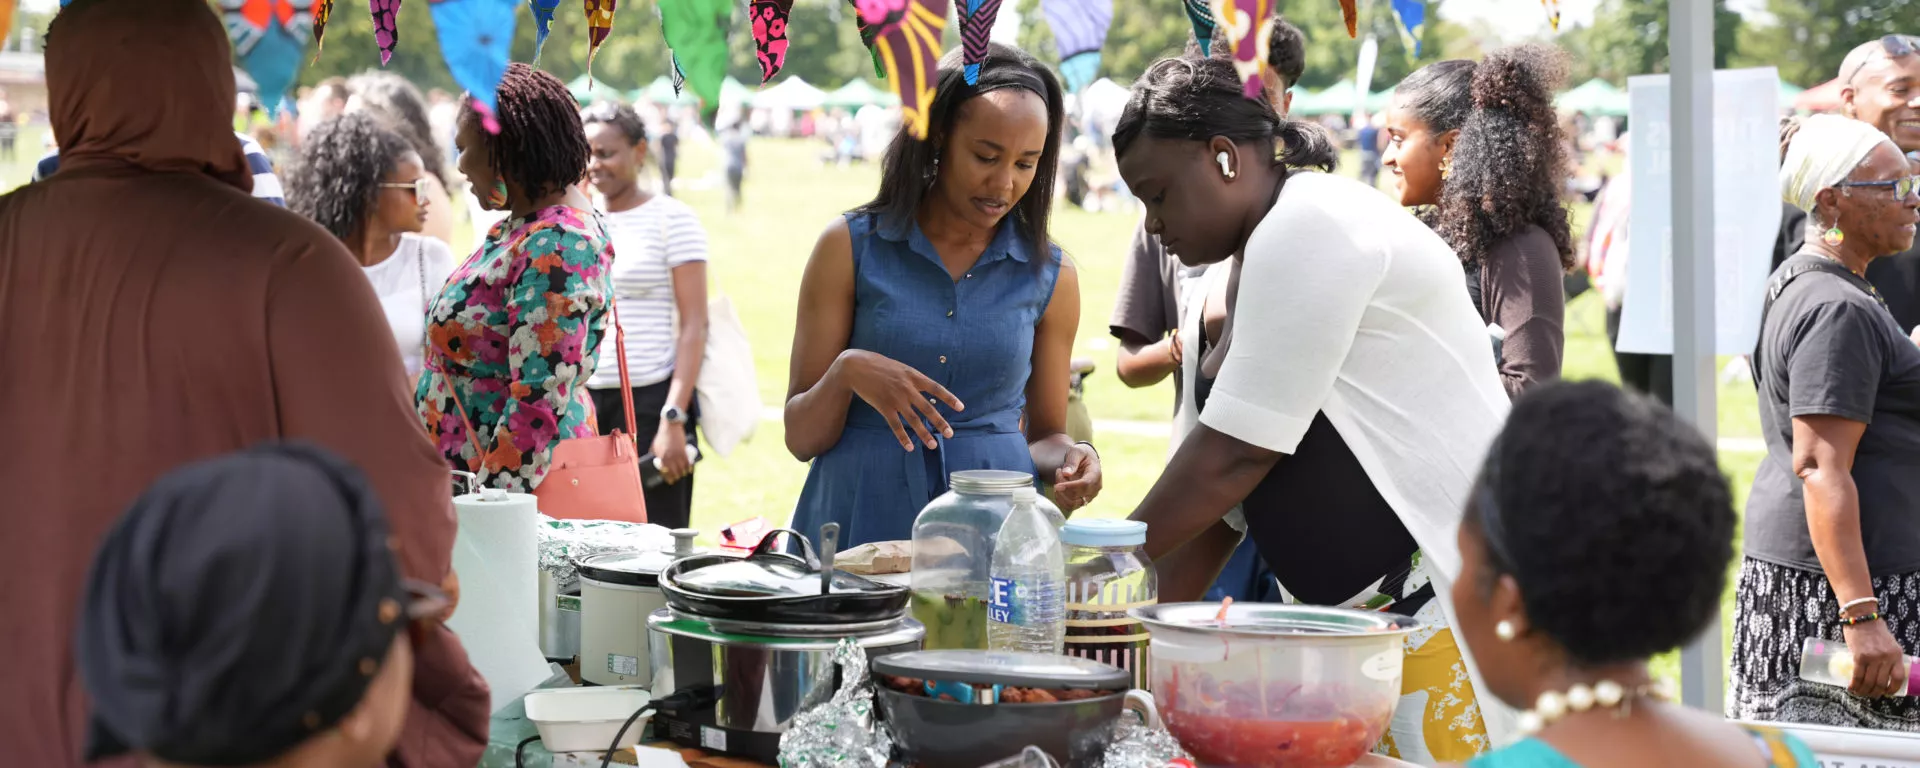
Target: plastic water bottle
x,y
1830,663
1026,608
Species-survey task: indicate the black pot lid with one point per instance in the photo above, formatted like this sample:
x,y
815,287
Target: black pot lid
x,y
769,577
1025,670
634,569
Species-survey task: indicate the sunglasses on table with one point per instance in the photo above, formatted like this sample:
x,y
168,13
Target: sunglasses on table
x,y
1894,46
419,187
1901,187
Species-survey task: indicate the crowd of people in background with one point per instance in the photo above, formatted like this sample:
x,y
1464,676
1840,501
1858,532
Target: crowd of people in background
x,y
1379,427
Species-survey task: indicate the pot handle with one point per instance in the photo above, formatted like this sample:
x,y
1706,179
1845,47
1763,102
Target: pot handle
x,y
765,548
1141,704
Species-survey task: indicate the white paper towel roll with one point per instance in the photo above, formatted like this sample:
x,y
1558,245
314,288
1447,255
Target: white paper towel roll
x,y
497,557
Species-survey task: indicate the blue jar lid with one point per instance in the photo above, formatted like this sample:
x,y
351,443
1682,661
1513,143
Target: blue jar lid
x,y
1104,533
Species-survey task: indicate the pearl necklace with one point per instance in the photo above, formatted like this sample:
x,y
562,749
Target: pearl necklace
x,y
1607,694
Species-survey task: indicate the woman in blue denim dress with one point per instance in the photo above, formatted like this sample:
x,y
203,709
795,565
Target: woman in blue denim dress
x,y
936,323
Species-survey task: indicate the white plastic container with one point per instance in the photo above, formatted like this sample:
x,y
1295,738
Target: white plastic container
x,y
585,719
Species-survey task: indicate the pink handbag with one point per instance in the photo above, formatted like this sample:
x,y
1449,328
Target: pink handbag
x,y
590,478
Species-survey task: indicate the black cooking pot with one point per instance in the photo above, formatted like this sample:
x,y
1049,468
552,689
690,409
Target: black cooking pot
x,y
776,588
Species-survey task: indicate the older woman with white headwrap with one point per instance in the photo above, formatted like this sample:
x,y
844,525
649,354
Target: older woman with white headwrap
x,y
1832,539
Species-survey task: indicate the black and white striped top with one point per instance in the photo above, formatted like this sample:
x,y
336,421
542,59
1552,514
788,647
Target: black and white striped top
x,y
648,242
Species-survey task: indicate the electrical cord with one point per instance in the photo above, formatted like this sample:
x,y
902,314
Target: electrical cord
x,y
681,700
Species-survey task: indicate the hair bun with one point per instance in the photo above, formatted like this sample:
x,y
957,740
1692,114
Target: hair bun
x,y
1519,77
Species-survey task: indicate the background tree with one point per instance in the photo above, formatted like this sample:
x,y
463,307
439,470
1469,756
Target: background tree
x,y
1809,38
1629,37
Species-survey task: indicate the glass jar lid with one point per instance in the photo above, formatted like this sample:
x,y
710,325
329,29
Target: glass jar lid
x,y
1104,533
992,482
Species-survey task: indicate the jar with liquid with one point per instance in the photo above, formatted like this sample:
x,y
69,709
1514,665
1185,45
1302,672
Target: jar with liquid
x,y
1108,574
953,543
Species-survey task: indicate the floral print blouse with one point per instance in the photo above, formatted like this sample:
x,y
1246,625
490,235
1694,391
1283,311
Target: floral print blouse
x,y
515,335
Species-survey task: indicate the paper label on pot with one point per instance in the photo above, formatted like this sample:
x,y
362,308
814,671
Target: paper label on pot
x,y
622,665
1385,666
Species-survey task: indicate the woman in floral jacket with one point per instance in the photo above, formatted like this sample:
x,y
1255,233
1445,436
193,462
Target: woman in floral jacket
x,y
514,335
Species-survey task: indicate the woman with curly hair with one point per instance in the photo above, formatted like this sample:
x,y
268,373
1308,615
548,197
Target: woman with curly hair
x,y
516,333
1342,407
1598,536
1478,147
364,184
400,108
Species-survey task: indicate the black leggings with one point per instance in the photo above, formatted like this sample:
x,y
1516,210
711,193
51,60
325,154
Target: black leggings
x,y
670,505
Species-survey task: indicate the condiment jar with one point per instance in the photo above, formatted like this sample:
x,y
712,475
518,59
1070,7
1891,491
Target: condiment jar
x,y
1108,574
953,550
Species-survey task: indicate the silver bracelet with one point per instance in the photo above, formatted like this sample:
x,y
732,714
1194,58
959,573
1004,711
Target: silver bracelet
x,y
1852,604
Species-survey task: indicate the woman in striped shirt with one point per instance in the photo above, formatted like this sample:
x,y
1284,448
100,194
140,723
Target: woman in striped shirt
x,y
660,289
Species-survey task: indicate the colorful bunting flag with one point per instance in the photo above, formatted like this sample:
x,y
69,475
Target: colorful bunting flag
x,y
322,11
1553,12
976,30
1352,15
1413,15
696,31
1201,15
6,17
1079,32
386,26
599,25
474,37
770,35
907,37
1241,19
868,35
543,11
269,41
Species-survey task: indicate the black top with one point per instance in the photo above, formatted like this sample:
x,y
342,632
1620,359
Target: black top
x,y
1318,520
1897,277
1827,347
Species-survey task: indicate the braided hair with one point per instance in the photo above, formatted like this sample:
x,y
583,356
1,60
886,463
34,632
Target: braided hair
x,y
541,146
1611,515
1195,97
337,177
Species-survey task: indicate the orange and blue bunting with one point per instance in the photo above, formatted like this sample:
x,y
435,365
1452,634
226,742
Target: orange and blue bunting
x,y
475,36
542,23
322,12
770,34
976,30
1352,16
6,17
1079,31
1413,15
269,41
1242,19
1201,16
907,38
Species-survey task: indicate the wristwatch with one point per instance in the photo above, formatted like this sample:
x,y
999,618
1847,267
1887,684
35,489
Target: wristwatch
x,y
673,415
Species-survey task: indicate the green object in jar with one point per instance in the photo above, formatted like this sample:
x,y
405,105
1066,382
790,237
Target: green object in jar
x,y
952,621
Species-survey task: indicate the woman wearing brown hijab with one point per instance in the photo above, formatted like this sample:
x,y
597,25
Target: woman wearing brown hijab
x,y
202,321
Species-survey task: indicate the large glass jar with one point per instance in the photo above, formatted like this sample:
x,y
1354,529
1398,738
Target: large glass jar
x,y
1108,574
953,550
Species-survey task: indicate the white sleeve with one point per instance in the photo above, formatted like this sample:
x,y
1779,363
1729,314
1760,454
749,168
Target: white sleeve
x,y
438,259
686,239
1304,287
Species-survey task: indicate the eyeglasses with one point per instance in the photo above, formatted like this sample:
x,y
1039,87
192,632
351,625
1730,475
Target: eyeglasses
x,y
1901,187
419,187
1895,46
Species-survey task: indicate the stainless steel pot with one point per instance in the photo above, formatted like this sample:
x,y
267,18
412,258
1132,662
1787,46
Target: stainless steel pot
x,y
765,673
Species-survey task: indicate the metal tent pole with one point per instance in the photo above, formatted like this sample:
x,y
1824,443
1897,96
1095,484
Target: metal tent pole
x,y
1690,48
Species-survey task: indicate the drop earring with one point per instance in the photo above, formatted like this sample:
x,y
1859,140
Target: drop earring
x,y
1833,237
1225,168
1505,631
933,174
497,197
1446,168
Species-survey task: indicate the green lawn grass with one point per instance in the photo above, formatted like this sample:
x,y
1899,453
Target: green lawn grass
x,y
759,253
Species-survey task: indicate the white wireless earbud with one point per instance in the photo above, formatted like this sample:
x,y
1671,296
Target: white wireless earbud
x,y
1225,169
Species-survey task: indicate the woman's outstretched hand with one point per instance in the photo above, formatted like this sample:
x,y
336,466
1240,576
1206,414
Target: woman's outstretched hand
x,y
904,396
1077,481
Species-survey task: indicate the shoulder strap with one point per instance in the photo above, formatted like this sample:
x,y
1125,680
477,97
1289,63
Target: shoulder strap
x,y
1778,285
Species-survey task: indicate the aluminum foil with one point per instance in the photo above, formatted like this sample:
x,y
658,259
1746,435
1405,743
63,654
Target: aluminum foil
x,y
564,541
839,730
1139,746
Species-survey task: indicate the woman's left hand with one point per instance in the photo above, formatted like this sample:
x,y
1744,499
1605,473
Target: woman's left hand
x,y
1077,481
670,449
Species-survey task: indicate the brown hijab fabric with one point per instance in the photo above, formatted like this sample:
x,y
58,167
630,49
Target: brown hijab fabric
x,y
153,314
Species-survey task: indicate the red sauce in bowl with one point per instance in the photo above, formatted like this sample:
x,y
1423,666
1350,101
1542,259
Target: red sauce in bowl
x,y
1235,723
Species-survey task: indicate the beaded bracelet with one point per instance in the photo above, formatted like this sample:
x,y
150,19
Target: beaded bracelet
x,y
1852,604
1875,616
